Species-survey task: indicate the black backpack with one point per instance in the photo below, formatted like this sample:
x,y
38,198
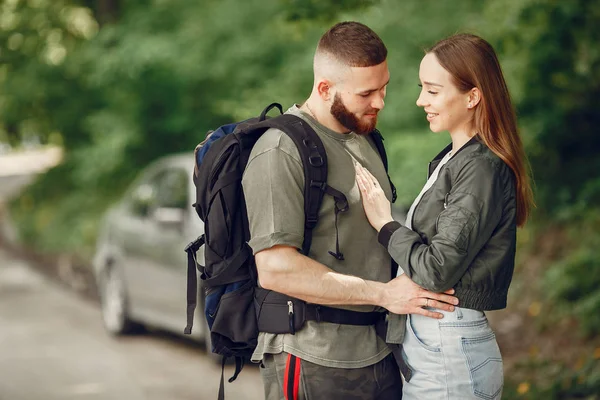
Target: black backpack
x,y
235,308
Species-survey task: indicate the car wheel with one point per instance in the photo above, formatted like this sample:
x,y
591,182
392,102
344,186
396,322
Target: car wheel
x,y
114,305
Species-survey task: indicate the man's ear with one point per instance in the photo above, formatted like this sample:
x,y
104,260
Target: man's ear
x,y
324,88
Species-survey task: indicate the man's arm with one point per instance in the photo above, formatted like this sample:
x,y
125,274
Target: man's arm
x,y
285,270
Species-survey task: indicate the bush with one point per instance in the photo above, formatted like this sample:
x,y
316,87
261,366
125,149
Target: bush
x,y
572,283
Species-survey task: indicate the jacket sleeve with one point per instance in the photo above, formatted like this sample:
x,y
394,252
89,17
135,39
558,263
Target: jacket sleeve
x,y
473,210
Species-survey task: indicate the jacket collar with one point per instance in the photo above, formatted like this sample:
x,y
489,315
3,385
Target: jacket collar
x,y
475,139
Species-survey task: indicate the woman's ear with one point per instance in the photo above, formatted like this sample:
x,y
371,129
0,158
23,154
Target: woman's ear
x,y
474,98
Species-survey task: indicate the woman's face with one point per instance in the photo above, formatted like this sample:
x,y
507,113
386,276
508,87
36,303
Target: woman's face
x,y
446,107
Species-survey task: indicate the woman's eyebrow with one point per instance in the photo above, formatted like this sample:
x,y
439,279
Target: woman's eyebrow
x,y
433,84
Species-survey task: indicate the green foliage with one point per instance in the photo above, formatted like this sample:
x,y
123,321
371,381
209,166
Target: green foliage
x,y
318,10
543,379
154,82
56,215
35,38
572,283
410,154
558,45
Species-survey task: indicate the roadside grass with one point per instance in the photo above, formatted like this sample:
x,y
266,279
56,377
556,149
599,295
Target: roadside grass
x,y
552,347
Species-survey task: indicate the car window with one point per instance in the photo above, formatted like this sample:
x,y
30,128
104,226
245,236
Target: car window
x,y
163,187
172,189
142,199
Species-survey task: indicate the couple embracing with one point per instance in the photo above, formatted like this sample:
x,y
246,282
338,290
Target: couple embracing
x,y
455,251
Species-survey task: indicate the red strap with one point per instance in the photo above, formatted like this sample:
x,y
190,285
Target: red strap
x,y
297,379
291,378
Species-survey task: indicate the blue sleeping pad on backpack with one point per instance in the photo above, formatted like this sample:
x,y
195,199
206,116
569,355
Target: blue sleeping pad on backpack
x,y
214,136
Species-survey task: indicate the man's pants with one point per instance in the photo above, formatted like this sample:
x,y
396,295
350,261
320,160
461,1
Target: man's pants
x,y
287,377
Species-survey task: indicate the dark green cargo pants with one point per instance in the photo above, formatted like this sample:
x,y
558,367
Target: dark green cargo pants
x,y
287,377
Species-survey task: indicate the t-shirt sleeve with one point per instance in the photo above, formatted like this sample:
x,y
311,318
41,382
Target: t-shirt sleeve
x,y
273,186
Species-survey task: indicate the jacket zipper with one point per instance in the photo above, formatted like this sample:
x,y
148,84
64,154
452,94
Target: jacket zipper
x,y
437,220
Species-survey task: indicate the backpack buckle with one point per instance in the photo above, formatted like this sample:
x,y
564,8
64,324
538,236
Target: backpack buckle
x,y
341,205
195,245
309,143
315,160
311,221
317,184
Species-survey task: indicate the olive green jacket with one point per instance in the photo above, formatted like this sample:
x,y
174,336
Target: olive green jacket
x,y
464,229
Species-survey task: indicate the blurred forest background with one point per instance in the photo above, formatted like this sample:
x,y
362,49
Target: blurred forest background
x,y
119,83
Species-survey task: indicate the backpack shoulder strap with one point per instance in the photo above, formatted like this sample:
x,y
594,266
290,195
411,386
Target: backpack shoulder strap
x,y
314,160
378,140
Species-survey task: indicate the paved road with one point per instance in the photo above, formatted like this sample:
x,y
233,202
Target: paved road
x,y
53,347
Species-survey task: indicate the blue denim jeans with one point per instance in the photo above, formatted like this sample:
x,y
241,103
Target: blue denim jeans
x,y
456,357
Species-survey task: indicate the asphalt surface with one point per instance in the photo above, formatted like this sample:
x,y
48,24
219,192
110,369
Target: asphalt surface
x,y
53,347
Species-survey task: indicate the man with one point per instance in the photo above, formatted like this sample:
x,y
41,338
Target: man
x,y
325,360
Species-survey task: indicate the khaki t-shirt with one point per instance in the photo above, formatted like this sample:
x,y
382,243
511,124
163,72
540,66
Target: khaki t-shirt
x,y
274,189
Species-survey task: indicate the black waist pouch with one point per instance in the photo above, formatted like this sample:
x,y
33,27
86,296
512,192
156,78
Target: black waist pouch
x,y
278,313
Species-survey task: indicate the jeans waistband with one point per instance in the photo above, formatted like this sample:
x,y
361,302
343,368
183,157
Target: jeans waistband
x,y
460,316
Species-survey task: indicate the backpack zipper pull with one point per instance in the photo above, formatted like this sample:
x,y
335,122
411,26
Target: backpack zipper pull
x,y
291,316
446,200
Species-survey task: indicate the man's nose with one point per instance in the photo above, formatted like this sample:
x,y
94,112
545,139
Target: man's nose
x,y
378,102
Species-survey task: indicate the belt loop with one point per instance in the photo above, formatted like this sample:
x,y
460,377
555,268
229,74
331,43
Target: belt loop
x,y
459,314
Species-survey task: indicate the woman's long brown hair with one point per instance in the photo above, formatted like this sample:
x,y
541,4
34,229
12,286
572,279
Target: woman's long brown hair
x,y
472,62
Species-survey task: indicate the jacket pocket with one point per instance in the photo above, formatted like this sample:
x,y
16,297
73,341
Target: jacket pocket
x,y
485,366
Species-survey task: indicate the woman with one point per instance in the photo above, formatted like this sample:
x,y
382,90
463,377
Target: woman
x,y
460,231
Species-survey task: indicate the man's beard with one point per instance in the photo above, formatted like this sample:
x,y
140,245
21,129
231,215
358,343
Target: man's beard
x,y
349,120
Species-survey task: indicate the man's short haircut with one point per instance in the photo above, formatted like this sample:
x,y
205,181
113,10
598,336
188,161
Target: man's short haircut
x,y
353,44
